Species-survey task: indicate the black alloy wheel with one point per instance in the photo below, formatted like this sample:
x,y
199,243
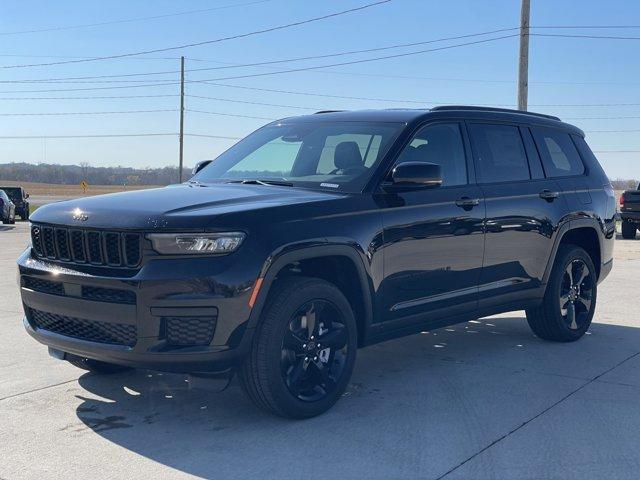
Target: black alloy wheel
x,y
314,350
575,294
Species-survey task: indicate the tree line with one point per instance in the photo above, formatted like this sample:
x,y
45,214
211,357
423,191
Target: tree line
x,y
74,174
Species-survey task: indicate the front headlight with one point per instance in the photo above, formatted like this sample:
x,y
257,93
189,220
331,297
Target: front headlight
x,y
196,243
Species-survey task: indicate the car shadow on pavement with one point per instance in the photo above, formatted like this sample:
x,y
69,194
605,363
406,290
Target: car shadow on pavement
x,y
4,228
443,386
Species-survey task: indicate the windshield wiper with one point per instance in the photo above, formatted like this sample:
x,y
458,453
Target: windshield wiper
x,y
255,181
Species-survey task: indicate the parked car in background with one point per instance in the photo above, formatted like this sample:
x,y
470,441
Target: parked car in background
x,y
320,234
7,208
630,212
19,198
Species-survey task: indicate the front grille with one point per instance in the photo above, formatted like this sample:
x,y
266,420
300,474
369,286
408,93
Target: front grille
x,y
94,331
95,247
189,331
96,294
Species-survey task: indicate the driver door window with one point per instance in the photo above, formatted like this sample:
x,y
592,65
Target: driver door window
x,y
441,144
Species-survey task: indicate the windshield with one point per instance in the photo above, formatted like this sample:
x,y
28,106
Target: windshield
x,y
333,155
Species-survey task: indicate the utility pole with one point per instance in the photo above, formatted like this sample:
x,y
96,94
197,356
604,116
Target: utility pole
x,y
181,118
523,64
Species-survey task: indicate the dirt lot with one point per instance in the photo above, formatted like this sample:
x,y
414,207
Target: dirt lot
x,y
481,400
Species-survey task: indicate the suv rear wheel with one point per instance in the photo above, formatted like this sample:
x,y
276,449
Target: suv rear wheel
x,y
94,365
570,300
303,351
628,230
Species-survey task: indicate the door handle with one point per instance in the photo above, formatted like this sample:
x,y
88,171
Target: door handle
x,y
548,195
467,203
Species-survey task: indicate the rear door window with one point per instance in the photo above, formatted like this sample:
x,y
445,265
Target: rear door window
x,y
560,157
499,153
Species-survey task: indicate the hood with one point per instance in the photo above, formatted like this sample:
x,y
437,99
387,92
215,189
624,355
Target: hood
x,y
185,206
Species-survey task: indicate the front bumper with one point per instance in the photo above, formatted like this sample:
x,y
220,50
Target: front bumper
x,y
142,318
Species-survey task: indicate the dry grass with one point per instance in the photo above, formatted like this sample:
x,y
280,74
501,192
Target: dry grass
x,y
50,189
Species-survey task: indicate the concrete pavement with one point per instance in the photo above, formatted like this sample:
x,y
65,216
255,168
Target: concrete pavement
x,y
480,400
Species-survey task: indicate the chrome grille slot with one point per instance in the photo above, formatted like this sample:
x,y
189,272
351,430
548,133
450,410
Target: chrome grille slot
x,y
113,249
95,247
62,242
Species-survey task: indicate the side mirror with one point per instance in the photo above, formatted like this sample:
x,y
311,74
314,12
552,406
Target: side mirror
x,y
26,195
417,174
200,165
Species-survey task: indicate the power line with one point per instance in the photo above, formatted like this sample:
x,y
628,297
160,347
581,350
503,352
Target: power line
x,y
91,88
108,97
598,37
353,62
130,20
120,135
86,113
252,103
229,114
206,42
19,137
270,62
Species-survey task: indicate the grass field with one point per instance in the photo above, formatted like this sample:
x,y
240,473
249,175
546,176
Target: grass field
x,y
50,189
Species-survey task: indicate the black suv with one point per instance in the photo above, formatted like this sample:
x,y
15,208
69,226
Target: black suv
x,y
320,234
19,198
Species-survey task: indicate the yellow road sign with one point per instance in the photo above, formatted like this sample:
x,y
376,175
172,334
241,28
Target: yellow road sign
x,y
84,186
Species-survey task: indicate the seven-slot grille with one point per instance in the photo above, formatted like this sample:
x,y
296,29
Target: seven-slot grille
x,y
95,247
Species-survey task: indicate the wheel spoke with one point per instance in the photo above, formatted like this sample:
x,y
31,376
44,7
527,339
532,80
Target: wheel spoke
x,y
564,299
569,272
584,273
571,316
296,375
311,319
335,339
585,301
293,342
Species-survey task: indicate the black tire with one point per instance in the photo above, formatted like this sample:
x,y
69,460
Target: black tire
x,y
548,321
94,365
274,376
628,230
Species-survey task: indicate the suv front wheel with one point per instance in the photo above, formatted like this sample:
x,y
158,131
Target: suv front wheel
x,y
628,230
303,351
570,299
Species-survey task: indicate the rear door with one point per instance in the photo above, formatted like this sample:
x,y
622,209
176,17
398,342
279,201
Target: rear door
x,y
523,208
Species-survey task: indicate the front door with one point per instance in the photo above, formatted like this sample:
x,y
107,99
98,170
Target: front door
x,y
433,237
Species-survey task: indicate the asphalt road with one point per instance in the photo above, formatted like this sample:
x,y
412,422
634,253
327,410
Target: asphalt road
x,y
481,400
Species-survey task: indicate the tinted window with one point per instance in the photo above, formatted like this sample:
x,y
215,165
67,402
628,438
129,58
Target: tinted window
x,y
499,153
440,144
336,155
559,155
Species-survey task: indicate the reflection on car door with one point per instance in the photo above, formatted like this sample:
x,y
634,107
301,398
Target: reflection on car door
x,y
433,238
523,208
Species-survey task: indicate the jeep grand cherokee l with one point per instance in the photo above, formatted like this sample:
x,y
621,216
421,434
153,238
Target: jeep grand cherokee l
x,y
320,234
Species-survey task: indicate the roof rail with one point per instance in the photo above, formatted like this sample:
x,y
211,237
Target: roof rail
x,y
327,111
492,109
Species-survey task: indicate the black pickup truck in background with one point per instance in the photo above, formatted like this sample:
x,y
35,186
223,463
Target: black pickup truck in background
x,y
630,212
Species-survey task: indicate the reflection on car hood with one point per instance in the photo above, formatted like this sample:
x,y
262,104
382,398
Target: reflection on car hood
x,y
178,206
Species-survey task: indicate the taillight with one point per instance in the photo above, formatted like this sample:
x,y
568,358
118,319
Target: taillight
x,y
622,200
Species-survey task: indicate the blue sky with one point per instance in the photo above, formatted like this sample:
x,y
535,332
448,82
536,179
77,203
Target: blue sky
x,y
563,71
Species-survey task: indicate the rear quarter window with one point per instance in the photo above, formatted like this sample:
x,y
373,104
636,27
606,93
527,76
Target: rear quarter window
x,y
560,158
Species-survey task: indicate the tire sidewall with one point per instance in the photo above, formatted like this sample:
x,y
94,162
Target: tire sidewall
x,y
279,319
